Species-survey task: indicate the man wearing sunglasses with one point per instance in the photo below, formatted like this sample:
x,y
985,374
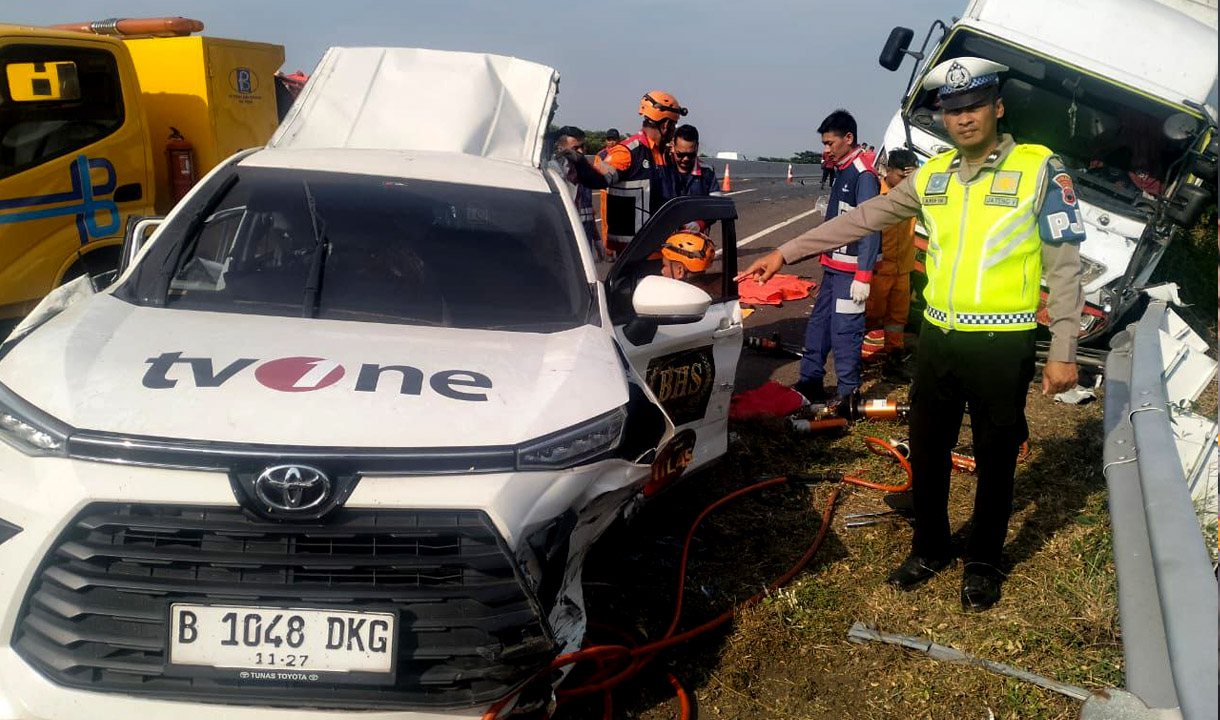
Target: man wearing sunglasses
x,y
636,173
693,176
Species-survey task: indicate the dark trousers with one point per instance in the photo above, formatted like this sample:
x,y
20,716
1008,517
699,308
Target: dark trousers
x,y
828,173
836,323
990,372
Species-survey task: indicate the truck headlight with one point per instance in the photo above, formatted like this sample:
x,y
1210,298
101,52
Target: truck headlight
x,y
575,445
30,430
1090,270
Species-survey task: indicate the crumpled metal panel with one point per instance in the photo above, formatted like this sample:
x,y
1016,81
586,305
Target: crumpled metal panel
x,y
412,99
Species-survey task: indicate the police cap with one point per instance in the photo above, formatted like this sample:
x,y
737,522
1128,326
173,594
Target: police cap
x,y
964,81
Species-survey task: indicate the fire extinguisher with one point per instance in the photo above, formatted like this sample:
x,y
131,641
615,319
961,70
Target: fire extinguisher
x,y
180,159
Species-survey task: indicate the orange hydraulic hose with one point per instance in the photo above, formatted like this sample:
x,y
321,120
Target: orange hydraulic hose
x,y
880,447
640,656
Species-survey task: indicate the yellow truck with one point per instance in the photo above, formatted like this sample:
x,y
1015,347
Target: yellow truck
x,y
86,120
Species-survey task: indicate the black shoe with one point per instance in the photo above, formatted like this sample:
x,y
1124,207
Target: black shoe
x,y
813,390
917,570
980,590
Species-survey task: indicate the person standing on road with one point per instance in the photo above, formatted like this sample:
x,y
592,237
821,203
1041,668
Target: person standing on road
x,y
571,141
828,169
870,155
612,138
1001,215
636,173
889,299
837,320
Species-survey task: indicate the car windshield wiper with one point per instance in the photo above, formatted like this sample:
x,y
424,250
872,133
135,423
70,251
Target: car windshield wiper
x,y
313,286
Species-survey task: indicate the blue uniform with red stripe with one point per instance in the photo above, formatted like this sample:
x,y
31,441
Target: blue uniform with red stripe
x,y
837,322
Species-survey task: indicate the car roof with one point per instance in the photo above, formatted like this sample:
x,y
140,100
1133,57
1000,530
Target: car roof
x,y
448,167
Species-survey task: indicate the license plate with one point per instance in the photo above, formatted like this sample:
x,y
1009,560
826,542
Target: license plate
x,y
276,643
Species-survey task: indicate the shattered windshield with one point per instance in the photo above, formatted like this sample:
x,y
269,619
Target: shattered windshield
x,y
1110,137
352,247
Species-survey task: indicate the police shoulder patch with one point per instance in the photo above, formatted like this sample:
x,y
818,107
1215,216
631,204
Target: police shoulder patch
x,y
1066,189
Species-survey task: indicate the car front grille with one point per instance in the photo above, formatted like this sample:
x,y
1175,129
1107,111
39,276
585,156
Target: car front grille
x,y
96,616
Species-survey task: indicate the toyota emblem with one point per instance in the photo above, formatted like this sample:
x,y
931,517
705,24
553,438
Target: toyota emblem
x,y
292,488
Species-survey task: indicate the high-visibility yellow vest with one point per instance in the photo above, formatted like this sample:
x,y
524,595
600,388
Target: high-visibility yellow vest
x,y
984,259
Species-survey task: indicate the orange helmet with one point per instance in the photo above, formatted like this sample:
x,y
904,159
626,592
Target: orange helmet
x,y
658,106
693,249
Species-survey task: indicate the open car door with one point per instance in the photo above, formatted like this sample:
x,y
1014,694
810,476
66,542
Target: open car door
x,y
689,366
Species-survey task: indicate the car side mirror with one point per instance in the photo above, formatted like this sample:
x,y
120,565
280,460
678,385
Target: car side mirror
x,y
1187,205
139,227
666,301
895,47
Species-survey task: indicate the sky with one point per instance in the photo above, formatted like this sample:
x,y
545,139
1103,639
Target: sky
x,y
757,76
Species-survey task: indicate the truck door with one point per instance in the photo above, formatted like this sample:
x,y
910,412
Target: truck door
x,y
73,162
691,367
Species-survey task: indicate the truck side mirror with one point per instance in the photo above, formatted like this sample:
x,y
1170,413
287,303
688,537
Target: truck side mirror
x,y
138,229
1187,205
1204,166
895,47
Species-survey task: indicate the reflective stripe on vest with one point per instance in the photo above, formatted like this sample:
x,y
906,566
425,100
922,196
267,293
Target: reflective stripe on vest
x,y
629,199
984,260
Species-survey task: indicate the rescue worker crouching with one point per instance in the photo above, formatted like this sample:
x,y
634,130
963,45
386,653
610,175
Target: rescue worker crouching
x,y
688,256
1000,216
635,173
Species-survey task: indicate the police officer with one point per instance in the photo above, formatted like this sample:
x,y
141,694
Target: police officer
x,y
1001,215
635,173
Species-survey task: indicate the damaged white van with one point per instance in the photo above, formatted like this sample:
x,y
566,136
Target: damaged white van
x,y
1118,88
341,432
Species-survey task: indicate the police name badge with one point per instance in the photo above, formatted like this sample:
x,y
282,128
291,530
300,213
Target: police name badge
x,y
938,184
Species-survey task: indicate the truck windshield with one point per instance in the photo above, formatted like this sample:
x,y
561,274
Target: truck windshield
x,y
375,249
1110,137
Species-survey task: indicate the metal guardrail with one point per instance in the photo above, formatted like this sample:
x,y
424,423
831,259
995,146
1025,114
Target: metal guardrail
x,y
743,169
1167,592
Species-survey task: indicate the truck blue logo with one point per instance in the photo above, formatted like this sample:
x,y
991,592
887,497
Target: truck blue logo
x,y
86,202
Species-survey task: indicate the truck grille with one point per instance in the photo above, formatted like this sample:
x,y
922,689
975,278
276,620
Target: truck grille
x,y
96,616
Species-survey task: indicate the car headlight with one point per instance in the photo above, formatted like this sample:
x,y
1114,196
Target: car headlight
x,y
575,445
30,430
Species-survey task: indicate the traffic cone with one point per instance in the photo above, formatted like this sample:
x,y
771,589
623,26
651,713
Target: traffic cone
x,y
789,173
727,185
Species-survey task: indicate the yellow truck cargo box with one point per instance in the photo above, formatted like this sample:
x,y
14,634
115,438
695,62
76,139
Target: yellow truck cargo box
x,y
219,93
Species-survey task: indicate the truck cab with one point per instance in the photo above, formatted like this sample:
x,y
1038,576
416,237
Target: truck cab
x,y
84,119
1125,108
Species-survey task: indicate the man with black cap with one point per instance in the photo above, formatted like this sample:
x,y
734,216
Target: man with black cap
x,y
1000,216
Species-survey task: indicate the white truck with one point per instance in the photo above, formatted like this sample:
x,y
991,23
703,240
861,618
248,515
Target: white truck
x,y
338,437
1118,88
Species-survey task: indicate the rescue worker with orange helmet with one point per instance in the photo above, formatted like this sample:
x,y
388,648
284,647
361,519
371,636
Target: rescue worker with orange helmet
x,y
635,173
686,255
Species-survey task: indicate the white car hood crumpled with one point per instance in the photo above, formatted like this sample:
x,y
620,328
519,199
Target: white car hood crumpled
x,y
105,365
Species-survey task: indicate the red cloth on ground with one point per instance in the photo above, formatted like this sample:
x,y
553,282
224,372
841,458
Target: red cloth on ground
x,y
776,290
770,400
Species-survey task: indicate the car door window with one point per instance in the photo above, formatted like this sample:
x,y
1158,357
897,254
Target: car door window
x,y
55,100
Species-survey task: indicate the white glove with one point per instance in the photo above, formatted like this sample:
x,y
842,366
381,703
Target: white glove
x,y
859,291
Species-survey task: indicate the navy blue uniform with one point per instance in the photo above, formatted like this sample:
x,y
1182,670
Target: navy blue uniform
x,y
837,321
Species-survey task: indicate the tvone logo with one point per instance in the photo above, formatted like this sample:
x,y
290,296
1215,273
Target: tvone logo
x,y
305,374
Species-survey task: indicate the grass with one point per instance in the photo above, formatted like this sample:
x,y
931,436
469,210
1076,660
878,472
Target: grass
x,y
788,657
